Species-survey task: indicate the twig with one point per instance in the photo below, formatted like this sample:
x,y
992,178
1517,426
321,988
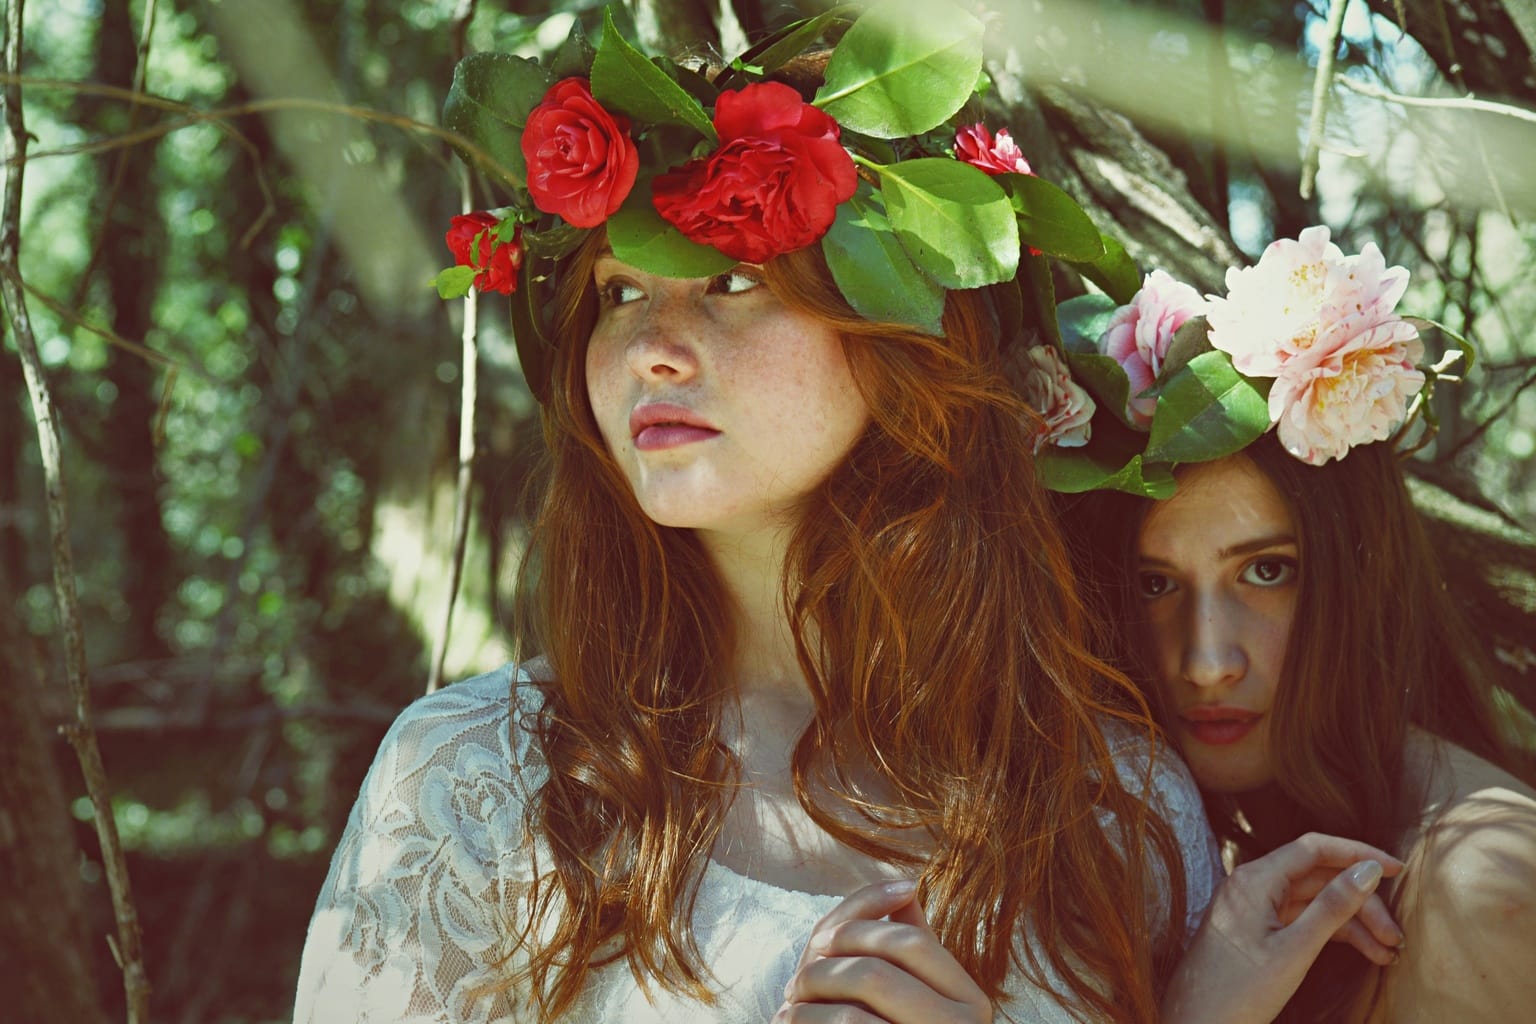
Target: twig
x,y
1463,103
461,495
158,720
1482,428
1219,67
127,946
458,28
1319,117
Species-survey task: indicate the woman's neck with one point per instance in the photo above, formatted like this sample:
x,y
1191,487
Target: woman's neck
x,y
751,566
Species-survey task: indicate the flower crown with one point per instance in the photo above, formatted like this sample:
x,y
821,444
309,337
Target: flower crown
x,y
1307,342
888,167
909,196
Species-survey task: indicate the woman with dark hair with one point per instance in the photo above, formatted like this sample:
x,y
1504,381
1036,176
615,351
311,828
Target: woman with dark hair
x,y
814,732
1303,652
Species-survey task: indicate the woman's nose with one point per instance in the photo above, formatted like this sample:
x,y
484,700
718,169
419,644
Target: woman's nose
x,y
1213,651
664,346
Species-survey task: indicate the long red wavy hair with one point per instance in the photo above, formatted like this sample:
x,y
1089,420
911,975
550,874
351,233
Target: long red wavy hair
x,y
938,626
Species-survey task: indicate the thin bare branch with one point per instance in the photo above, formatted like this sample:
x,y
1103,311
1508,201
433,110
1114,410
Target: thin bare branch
x,y
1462,103
461,493
1488,421
1320,94
127,944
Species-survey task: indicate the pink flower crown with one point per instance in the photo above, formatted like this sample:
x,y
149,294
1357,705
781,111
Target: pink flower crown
x,y
1307,342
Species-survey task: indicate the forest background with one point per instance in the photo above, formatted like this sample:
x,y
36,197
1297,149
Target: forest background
x,y
225,237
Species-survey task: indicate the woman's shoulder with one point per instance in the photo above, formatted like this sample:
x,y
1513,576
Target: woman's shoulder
x,y
1468,898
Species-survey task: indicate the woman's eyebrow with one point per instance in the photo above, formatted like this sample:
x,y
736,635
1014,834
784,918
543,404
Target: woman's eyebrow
x,y
1274,540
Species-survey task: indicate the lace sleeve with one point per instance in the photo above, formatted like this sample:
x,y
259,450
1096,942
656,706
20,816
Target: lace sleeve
x,y
408,926
1176,798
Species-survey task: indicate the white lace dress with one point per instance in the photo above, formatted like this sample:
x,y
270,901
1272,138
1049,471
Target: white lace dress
x,y
411,919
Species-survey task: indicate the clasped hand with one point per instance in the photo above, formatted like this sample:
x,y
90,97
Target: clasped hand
x,y
874,958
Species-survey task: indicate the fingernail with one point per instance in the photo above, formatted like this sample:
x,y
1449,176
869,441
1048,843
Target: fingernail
x,y
901,887
1402,940
1366,875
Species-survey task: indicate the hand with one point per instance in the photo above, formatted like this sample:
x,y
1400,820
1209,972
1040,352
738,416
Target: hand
x,y
1269,921
874,959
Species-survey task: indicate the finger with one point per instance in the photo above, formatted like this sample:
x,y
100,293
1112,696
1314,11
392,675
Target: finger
x,y
915,949
1355,934
912,913
1378,921
873,983
1338,902
869,903
1306,853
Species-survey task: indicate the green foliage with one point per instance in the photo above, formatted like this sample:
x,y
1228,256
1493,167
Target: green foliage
x,y
899,72
874,271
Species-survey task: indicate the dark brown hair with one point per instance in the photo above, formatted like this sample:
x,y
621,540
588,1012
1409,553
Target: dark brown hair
x,y
1376,645
937,622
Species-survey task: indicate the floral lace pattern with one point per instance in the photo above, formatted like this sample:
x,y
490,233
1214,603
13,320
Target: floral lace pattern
x,y
410,924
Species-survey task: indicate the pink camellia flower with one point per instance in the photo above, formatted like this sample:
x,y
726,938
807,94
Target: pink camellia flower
x,y
1140,332
976,146
1065,409
773,185
1323,325
1302,301
1356,395
500,260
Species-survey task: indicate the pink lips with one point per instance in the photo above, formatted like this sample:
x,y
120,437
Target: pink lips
x,y
1217,725
656,426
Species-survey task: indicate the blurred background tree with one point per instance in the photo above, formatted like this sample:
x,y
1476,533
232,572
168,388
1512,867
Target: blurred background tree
x,y
262,517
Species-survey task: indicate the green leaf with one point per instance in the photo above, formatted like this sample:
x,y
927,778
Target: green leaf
x,y
771,54
535,355
1189,341
1105,380
1115,271
624,81
903,69
1035,274
1083,320
1111,460
642,238
954,221
573,58
554,242
1051,221
873,270
1207,410
454,282
489,102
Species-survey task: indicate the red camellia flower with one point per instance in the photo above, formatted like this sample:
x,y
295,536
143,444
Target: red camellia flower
x,y
500,260
581,161
976,146
774,184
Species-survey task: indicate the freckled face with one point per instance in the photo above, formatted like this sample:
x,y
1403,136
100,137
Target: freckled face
x,y
722,406
1218,568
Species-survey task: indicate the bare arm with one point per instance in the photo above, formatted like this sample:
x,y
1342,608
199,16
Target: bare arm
x,y
1469,910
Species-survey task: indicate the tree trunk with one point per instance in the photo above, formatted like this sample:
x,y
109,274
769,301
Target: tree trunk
x,y
42,921
131,277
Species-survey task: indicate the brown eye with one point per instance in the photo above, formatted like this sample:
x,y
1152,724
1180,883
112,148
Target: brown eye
x,y
1153,584
617,292
735,281
1270,572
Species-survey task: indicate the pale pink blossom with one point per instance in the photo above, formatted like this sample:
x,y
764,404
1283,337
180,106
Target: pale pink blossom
x,y
1302,302
976,146
1140,332
1065,408
1359,394
1323,325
